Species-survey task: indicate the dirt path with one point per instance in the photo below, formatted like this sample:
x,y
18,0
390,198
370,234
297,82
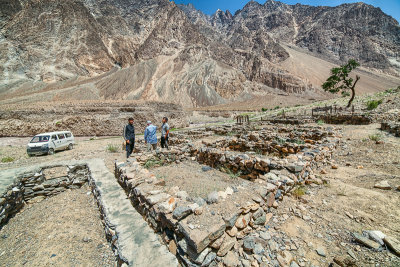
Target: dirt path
x,y
64,230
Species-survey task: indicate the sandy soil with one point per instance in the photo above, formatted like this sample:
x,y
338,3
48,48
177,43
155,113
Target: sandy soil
x,y
64,230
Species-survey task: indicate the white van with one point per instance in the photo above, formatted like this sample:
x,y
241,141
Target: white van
x,y
48,143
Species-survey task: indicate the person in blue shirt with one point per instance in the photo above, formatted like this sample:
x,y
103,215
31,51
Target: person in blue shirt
x,y
150,136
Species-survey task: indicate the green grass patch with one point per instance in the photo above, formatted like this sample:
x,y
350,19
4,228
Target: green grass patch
x,y
151,163
297,141
375,137
7,159
232,174
258,151
112,148
231,133
373,104
299,191
392,90
320,122
280,141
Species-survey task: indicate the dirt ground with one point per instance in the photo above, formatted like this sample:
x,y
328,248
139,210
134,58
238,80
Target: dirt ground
x,y
190,177
349,202
64,230
85,148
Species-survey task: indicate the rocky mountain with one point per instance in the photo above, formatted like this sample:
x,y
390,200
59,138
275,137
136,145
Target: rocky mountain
x,y
157,51
357,30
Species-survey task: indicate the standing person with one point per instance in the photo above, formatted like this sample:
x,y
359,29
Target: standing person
x,y
164,133
150,136
129,136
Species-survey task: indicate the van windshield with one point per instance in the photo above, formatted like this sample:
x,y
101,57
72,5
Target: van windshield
x,y
40,139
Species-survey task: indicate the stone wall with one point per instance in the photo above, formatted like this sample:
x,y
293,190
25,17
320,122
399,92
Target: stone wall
x,y
391,127
288,120
253,167
41,182
346,119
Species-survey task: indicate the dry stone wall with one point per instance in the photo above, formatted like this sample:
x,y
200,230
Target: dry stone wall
x,y
39,183
346,119
391,127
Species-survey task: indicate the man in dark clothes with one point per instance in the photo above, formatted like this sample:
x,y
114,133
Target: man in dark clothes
x,y
129,136
164,133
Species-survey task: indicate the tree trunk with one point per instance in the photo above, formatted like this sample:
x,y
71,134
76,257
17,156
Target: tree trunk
x,y
353,91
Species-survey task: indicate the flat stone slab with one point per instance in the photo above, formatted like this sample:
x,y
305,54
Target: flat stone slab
x,y
138,244
384,185
197,239
365,241
393,244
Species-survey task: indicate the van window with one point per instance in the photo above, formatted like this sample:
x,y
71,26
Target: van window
x,y
40,139
54,137
61,136
68,135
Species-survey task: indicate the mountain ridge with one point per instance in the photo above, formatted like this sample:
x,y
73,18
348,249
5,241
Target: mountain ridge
x,y
298,21
156,50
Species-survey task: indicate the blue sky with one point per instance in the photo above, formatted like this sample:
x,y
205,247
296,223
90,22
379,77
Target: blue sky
x,y
390,7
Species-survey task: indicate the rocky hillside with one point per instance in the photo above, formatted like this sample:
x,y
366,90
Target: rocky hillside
x,y
155,50
357,30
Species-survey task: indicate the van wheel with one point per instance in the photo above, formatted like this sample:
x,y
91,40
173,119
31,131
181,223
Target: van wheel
x,y
70,146
51,151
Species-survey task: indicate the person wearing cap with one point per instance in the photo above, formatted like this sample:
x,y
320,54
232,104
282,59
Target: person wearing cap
x,y
150,136
129,136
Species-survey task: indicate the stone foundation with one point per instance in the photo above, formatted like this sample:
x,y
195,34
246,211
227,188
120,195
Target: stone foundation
x,y
346,119
171,212
391,127
40,182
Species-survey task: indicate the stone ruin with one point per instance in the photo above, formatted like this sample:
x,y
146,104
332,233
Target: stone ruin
x,y
222,227
120,219
227,225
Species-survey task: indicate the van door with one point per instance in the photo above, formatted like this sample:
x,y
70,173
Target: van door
x,y
70,140
54,142
62,141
